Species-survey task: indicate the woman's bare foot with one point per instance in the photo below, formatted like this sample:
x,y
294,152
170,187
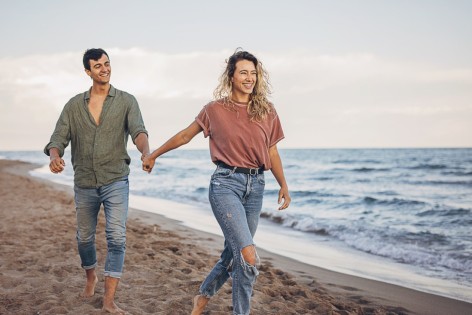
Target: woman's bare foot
x,y
89,289
199,303
113,309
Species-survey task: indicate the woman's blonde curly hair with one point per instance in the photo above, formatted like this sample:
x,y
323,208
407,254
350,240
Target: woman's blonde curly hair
x,y
259,106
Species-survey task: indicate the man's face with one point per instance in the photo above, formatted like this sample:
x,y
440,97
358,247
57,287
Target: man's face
x,y
100,70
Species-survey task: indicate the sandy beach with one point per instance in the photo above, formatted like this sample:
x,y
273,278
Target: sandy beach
x,y
165,263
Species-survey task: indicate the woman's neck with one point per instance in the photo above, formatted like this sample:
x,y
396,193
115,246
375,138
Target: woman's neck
x,y
238,102
242,99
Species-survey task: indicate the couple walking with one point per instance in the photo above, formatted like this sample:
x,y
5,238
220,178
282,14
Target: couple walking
x,y
243,129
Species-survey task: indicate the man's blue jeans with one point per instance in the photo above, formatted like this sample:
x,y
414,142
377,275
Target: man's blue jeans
x,y
114,198
236,201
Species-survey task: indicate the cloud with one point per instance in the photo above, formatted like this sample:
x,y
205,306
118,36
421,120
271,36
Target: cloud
x,y
320,98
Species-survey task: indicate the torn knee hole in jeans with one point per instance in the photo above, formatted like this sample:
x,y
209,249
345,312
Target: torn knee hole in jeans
x,y
249,256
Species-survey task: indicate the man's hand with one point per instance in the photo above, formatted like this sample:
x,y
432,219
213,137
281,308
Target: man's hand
x,y
56,164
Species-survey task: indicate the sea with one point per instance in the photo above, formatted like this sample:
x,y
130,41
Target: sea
x,y
401,216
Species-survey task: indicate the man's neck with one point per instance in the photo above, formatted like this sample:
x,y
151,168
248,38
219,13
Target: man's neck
x,y
100,89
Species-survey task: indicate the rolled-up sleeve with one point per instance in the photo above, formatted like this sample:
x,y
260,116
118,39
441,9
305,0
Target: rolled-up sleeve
x,y
276,132
135,120
61,136
204,121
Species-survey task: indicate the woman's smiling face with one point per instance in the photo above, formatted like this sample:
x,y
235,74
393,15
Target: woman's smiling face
x,y
244,79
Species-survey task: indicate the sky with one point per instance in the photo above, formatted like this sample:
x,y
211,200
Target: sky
x,y
344,74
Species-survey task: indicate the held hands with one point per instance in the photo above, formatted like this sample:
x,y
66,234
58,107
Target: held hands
x,y
56,164
148,162
285,196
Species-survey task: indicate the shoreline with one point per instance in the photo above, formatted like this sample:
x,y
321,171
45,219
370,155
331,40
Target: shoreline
x,y
405,300
155,244
290,244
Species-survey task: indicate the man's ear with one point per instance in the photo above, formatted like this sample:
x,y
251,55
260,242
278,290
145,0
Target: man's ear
x,y
88,72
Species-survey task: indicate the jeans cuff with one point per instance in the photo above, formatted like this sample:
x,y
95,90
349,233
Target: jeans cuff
x,y
89,267
113,274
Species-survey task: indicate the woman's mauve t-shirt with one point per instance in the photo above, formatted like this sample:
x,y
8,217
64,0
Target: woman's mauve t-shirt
x,y
234,139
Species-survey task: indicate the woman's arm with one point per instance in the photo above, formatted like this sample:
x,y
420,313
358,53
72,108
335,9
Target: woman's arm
x,y
181,138
278,172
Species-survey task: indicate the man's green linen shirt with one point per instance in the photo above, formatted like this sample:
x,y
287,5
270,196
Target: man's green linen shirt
x,y
99,155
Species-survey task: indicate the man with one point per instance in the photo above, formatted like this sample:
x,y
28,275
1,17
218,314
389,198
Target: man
x,y
97,123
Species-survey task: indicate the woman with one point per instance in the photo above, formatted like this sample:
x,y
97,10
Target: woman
x,y
244,129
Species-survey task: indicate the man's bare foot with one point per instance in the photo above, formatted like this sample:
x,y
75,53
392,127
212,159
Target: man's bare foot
x,y
89,289
112,308
199,303
111,284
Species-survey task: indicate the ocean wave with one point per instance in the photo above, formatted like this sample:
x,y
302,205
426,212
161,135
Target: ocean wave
x,y
413,255
461,222
370,169
306,193
395,201
200,190
423,239
428,167
457,173
322,178
457,182
357,161
411,252
440,182
304,224
388,193
292,166
460,212
420,249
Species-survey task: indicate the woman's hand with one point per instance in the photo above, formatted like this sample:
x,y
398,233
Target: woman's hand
x,y
278,172
285,196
